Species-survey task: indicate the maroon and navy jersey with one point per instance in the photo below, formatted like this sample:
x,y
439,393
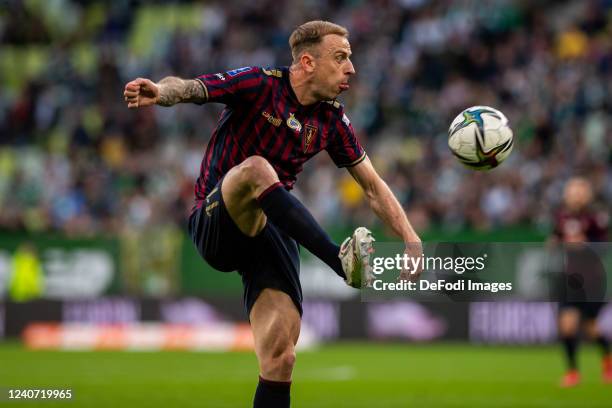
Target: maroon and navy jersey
x,y
582,264
263,117
587,226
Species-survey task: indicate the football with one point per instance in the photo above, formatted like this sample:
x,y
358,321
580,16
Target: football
x,y
480,137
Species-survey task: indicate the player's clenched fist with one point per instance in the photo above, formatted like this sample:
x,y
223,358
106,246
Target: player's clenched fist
x,y
141,92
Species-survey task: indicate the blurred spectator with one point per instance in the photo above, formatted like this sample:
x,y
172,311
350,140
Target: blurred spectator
x,y
26,281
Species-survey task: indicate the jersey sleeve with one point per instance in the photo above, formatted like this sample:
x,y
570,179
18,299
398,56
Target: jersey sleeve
x,y
232,87
344,148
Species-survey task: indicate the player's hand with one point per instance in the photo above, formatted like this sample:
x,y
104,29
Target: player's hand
x,y
141,92
414,250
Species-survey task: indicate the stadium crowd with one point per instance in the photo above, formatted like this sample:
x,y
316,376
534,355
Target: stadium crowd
x,y
74,159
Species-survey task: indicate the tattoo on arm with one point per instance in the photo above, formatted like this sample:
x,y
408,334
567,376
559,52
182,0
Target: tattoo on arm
x,y
173,90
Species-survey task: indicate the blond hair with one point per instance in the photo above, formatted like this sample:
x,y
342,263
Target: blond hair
x,y
310,34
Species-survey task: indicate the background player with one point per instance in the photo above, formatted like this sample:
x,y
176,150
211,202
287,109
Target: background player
x,y
244,217
578,222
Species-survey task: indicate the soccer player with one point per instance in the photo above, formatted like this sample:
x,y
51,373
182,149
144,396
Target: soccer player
x,y
244,217
575,223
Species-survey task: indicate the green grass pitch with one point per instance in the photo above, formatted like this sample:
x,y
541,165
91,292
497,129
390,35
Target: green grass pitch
x,y
340,375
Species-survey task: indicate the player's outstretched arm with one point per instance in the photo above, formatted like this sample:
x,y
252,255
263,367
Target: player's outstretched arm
x,y
167,92
383,202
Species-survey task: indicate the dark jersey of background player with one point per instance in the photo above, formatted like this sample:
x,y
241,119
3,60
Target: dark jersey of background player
x,y
263,117
582,263
591,225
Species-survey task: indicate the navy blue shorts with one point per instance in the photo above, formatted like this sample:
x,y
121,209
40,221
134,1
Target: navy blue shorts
x,y
269,260
588,310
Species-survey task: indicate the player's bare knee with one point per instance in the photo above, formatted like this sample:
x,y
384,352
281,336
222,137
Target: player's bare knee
x,y
287,359
566,330
568,323
279,365
258,173
592,329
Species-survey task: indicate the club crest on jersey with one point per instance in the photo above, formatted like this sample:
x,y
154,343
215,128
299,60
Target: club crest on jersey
x,y
293,123
310,132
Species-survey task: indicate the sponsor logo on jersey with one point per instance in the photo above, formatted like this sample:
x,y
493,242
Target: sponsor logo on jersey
x,y
220,76
237,71
275,121
293,123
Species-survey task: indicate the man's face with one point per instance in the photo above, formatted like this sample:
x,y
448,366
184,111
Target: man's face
x,y
333,67
577,194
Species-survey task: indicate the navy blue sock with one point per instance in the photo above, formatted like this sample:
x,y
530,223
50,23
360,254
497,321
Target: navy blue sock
x,y
289,214
272,394
570,344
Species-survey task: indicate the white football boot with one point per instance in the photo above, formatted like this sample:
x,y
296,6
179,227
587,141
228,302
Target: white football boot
x,y
355,254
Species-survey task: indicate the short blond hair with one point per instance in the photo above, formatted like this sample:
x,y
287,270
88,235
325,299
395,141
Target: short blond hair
x,y
310,34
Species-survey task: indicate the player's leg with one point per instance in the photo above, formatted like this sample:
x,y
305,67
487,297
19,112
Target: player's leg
x,y
252,193
569,321
275,322
593,331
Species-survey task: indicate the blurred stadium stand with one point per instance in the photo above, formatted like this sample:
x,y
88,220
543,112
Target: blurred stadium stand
x,y
73,159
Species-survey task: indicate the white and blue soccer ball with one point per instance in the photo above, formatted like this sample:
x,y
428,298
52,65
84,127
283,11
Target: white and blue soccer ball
x,y
480,137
